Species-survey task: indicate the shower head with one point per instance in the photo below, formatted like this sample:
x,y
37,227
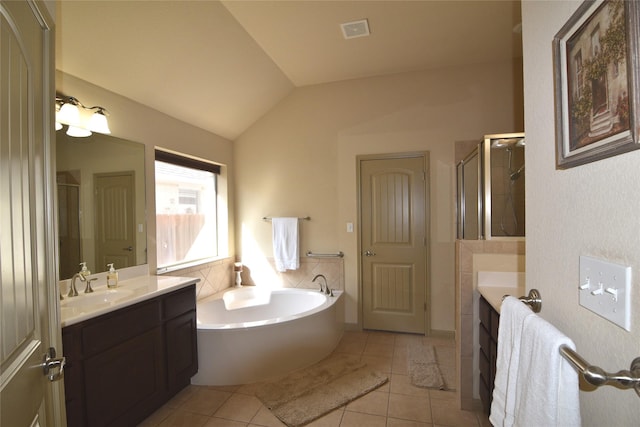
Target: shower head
x,y
507,143
515,175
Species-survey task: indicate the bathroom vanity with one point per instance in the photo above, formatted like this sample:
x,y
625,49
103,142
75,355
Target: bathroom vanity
x,y
133,355
492,287
488,337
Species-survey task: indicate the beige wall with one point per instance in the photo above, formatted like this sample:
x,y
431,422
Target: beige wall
x,y
136,122
300,159
586,210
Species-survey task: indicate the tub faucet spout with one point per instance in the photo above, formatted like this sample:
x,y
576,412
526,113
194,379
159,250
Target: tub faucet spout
x,y
325,289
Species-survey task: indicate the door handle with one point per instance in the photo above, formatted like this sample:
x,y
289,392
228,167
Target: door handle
x,y
369,253
130,249
51,362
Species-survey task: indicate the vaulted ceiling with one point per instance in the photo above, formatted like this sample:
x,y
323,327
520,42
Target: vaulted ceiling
x,y
221,65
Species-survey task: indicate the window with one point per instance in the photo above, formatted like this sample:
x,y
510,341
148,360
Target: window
x,y
186,210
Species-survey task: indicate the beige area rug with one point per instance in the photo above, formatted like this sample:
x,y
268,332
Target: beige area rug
x,y
307,394
432,367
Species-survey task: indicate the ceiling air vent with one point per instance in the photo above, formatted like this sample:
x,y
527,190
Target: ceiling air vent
x,y
351,30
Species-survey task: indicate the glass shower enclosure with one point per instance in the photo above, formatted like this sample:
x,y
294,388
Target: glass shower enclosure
x,y
491,189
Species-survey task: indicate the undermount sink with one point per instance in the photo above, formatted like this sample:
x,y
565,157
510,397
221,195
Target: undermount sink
x,y
97,298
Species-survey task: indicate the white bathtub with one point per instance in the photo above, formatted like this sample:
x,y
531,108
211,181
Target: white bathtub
x,y
297,328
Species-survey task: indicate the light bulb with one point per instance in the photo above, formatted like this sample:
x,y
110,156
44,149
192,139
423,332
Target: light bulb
x,y
78,132
69,114
98,123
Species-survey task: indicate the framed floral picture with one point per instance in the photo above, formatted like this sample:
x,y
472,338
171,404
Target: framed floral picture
x,y
596,82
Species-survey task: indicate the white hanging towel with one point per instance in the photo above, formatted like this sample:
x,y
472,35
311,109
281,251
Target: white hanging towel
x,y
548,390
513,313
286,251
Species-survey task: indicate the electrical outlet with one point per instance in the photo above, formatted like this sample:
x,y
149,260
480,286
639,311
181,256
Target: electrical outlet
x,y
604,289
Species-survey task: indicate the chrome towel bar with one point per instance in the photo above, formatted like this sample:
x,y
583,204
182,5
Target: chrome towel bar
x,y
596,376
268,218
336,255
533,300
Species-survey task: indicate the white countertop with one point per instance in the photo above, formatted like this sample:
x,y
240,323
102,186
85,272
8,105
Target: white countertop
x,y
493,286
494,294
128,292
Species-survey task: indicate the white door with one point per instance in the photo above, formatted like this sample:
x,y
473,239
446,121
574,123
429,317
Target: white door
x,y
115,219
393,215
27,275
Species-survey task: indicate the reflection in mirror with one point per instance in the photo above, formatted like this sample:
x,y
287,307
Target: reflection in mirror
x,y
101,203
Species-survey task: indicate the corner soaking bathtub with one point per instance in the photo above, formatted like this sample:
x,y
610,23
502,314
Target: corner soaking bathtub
x,y
253,342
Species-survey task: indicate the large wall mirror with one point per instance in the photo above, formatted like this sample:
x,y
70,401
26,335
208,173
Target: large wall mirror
x,y
101,203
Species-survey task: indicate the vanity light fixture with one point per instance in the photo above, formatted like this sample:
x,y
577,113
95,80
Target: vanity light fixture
x,y
69,112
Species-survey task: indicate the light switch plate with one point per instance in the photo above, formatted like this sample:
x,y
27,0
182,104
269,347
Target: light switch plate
x,y
604,289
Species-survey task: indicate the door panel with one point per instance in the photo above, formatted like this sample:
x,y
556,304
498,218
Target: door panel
x,y
115,219
393,240
24,206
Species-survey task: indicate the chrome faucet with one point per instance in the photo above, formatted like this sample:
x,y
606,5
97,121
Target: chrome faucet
x,y
88,289
73,292
325,289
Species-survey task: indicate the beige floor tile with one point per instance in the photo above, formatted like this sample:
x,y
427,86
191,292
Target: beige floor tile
x,y
332,419
403,340
446,413
381,364
451,396
374,403
352,344
378,349
400,363
265,417
395,404
414,408
388,338
157,417
401,384
205,401
182,396
239,407
394,422
357,419
221,422
181,418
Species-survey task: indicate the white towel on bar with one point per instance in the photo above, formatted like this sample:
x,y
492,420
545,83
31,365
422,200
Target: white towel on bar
x,y
513,313
548,391
286,252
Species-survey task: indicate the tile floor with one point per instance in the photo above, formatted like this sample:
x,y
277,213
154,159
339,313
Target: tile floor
x,y
395,404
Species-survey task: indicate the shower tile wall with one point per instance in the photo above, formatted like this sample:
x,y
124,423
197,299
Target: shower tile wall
x,y
502,189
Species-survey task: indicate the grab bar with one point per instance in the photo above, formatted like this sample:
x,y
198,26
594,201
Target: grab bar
x,y
336,255
596,376
306,218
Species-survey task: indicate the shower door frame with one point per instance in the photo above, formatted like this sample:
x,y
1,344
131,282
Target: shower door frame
x,y
486,166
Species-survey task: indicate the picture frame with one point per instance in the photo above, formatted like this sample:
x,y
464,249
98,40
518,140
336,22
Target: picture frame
x,y
596,82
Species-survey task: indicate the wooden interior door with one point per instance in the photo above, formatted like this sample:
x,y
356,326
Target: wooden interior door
x,y
115,219
28,293
393,215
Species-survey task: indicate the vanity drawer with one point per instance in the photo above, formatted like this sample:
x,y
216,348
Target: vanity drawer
x,y
484,309
109,330
495,322
485,339
179,302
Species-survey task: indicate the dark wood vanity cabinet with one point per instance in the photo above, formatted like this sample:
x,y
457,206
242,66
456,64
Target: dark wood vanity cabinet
x,y
123,365
488,337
